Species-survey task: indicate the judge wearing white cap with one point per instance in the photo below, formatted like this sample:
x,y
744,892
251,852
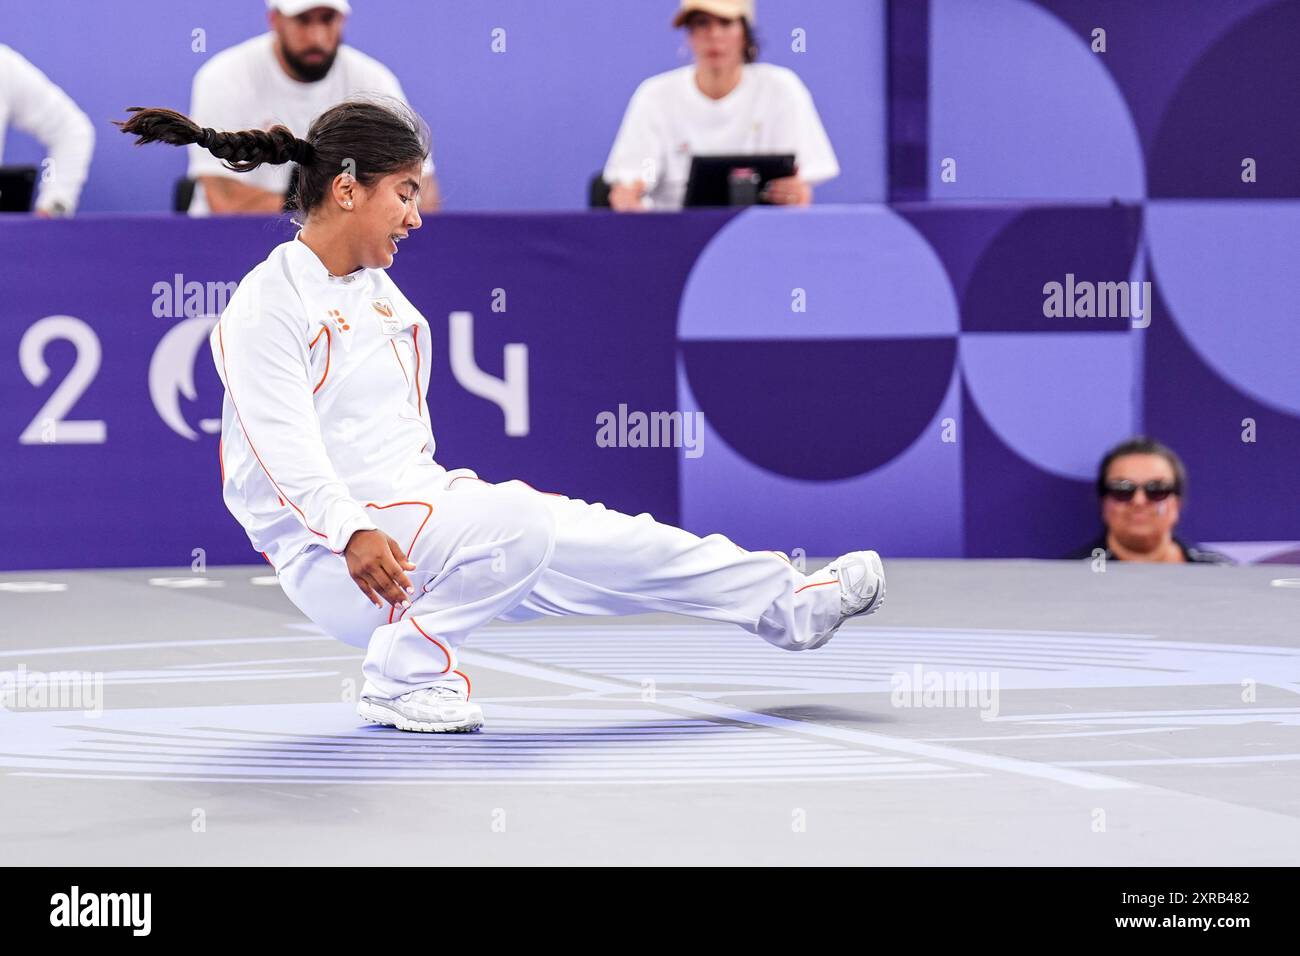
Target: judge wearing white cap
x,y
723,103
289,75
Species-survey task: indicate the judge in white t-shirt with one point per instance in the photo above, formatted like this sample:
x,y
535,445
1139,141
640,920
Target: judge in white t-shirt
x,y
31,102
289,75
723,103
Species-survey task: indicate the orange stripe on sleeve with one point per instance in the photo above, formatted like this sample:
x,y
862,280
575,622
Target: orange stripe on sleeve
x,y
400,363
329,349
419,391
221,339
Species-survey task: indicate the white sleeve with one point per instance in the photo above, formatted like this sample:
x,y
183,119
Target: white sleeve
x,y
638,154
212,103
813,152
42,109
264,365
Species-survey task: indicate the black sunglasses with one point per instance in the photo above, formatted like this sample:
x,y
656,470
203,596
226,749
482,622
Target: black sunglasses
x,y
1126,490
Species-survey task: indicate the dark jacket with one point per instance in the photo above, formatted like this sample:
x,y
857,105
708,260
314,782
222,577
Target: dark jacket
x,y
1193,555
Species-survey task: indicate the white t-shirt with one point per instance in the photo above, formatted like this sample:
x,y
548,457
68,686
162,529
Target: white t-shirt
x,y
35,105
244,87
669,120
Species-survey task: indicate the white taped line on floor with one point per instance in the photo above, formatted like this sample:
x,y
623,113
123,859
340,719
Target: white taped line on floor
x,y
893,782
147,645
703,708
1181,761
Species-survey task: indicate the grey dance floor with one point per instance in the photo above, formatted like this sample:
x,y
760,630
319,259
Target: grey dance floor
x,y
995,712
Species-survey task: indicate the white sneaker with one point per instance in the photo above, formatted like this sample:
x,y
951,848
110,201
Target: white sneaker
x,y
862,583
440,709
862,587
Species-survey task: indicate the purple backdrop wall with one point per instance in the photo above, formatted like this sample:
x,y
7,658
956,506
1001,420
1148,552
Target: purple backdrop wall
x,y
1067,100
866,375
981,416
523,129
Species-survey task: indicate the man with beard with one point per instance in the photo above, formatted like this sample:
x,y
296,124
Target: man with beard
x,y
287,76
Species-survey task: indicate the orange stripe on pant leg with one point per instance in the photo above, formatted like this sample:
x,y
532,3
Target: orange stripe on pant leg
x,y
414,538
433,640
817,584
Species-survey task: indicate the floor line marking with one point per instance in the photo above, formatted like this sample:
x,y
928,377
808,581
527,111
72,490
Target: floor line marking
x,y
703,708
144,645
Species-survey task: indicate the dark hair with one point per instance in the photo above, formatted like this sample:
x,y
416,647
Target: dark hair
x,y
1141,445
751,38
368,138
751,42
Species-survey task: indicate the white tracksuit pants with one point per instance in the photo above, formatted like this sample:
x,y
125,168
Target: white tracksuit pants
x,y
485,552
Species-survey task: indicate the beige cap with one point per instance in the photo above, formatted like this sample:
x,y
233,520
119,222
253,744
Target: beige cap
x,y
727,9
291,8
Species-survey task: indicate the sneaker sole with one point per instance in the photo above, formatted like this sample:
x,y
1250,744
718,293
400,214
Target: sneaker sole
x,y
386,717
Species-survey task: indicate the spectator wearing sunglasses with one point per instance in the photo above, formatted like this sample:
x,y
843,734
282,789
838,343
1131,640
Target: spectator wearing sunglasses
x,y
1143,486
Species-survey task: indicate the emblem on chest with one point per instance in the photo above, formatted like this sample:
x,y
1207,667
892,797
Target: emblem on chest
x,y
389,323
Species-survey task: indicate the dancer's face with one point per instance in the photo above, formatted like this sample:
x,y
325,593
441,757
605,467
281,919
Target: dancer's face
x,y
382,215
1141,524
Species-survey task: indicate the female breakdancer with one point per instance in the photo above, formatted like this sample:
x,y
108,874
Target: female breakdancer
x,y
327,453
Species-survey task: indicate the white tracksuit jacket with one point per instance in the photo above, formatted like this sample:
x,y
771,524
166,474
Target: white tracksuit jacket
x,y
300,455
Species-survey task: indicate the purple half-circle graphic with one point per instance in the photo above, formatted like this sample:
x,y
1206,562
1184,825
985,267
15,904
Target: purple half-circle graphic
x,y
908,507
1230,274
1239,490
850,272
1014,510
1240,100
820,410
959,240
1057,401
1151,45
1067,245
1025,108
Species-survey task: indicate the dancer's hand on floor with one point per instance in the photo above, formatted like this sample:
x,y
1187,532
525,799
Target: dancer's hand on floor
x,y
378,565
